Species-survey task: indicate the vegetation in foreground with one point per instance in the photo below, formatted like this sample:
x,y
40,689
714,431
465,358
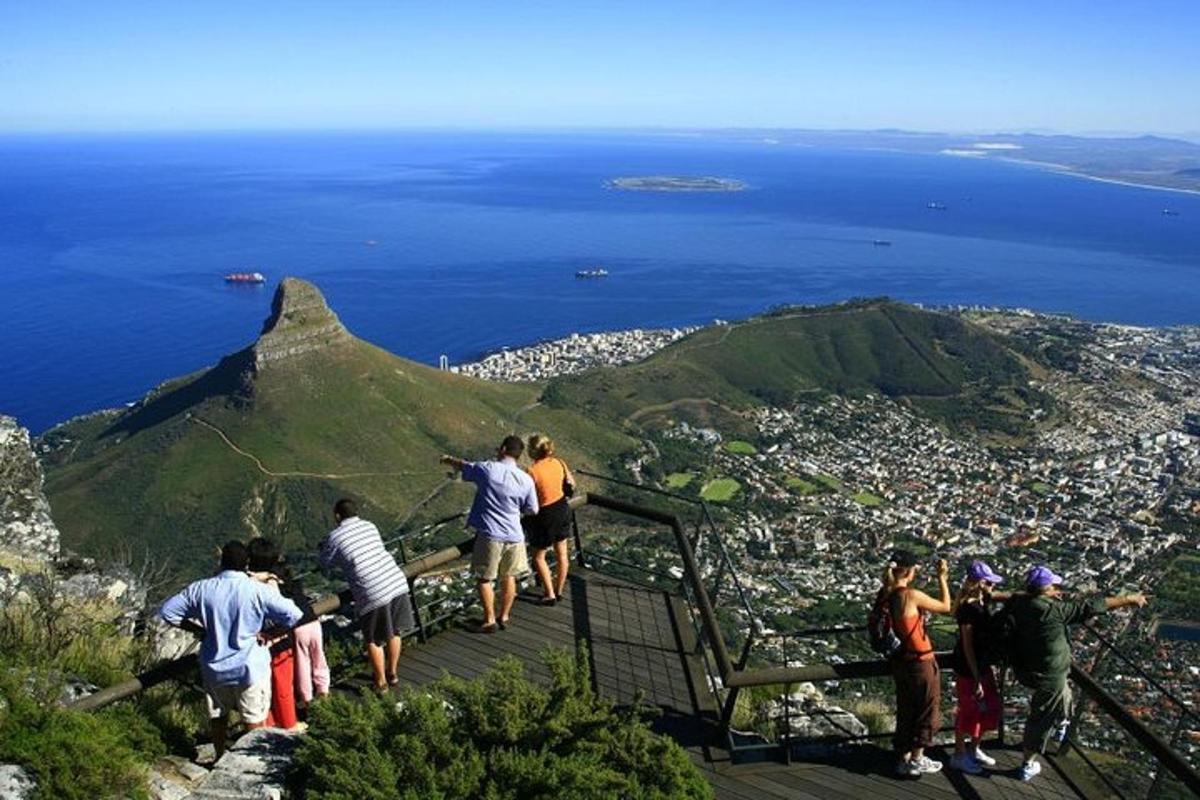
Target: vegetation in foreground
x,y
498,736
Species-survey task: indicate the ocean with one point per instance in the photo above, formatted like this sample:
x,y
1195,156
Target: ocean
x,y
113,248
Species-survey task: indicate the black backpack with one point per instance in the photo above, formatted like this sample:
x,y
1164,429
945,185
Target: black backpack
x,y
1001,637
880,630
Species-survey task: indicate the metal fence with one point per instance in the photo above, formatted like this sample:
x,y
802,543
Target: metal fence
x,y
696,565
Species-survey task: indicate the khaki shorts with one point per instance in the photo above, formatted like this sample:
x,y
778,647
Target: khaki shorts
x,y
491,559
252,702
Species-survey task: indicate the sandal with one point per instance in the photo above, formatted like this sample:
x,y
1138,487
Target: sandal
x,y
488,627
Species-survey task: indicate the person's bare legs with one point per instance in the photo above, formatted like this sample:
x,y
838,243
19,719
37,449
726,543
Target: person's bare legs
x,y
487,599
393,656
375,657
561,568
543,572
508,593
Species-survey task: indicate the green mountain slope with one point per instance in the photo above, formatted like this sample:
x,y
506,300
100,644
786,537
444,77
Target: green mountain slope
x,y
270,437
950,368
267,439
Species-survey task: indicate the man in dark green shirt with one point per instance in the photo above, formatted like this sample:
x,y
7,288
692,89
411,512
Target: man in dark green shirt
x,y
1042,656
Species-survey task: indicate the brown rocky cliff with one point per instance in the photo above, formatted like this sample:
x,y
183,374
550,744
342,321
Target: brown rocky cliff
x,y
300,322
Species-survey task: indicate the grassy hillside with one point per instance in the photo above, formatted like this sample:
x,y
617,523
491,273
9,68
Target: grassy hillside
x,y
232,451
953,370
266,440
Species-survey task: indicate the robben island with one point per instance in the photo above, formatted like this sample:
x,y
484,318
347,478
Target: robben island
x,y
811,459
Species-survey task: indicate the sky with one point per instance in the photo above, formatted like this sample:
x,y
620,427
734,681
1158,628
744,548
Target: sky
x,y
1050,65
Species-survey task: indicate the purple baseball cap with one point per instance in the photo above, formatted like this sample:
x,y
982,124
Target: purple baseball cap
x,y
980,571
1041,577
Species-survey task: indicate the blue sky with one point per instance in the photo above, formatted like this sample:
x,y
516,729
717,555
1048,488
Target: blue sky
x,y
1066,65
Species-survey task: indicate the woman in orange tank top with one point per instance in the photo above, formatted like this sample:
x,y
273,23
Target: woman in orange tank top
x,y
551,526
914,666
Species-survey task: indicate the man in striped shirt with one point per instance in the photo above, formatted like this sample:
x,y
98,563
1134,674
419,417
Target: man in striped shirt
x,y
379,588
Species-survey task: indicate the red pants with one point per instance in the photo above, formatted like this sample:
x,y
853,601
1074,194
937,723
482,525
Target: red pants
x,y
283,694
975,719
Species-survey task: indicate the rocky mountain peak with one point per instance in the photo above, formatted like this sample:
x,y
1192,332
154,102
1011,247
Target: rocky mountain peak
x,y
25,525
300,322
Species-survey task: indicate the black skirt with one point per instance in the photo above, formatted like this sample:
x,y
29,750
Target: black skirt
x,y
551,524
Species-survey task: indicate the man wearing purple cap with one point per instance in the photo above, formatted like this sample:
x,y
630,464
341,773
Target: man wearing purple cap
x,y
1042,657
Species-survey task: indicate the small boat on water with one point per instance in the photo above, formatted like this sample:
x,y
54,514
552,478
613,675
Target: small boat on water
x,y
1170,212
932,206
881,243
245,277
598,272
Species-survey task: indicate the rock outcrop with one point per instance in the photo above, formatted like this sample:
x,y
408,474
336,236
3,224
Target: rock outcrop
x,y
811,716
300,322
15,783
26,530
255,768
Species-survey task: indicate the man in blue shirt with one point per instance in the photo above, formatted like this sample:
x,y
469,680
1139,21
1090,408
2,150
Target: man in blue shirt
x,y
505,491
234,663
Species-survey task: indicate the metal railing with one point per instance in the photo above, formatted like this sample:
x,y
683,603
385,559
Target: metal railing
x,y
727,677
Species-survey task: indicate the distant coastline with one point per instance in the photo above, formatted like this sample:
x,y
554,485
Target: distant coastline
x,y
675,183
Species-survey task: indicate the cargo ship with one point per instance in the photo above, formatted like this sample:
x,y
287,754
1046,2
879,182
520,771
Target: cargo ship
x,y
245,277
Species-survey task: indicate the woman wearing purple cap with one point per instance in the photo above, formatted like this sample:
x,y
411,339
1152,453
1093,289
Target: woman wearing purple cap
x,y
975,681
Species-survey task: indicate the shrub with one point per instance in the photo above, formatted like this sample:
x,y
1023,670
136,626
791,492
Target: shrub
x,y
497,737
50,631
72,755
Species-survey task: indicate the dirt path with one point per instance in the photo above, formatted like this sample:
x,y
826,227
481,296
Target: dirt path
x,y
326,475
641,412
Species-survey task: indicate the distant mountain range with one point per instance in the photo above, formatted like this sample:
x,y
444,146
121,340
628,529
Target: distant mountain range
x,y
267,439
1146,160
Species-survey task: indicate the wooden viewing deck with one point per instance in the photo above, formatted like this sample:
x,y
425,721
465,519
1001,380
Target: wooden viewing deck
x,y
641,640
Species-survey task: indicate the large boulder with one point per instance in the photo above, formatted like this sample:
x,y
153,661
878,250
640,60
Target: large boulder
x,y
255,768
15,783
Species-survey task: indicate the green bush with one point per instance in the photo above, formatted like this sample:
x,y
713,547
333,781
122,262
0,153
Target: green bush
x,y
496,737
72,755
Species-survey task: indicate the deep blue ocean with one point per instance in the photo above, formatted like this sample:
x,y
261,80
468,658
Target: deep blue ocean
x,y
113,248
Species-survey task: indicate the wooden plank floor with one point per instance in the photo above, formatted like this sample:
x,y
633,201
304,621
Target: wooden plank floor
x,y
642,642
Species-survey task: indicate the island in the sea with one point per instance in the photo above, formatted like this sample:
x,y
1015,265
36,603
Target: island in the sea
x,y
675,183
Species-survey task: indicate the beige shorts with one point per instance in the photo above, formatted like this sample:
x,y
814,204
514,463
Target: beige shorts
x,y
491,559
252,702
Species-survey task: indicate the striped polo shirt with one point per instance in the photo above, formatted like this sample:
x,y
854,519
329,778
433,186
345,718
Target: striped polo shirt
x,y
357,549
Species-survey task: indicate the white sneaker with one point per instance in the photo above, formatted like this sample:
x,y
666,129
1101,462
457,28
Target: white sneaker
x,y
963,762
926,765
907,769
983,758
1030,769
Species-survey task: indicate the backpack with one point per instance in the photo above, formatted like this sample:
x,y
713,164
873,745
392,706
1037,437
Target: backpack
x,y
1001,637
880,630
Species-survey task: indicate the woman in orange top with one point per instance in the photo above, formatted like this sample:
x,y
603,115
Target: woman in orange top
x,y
551,526
914,667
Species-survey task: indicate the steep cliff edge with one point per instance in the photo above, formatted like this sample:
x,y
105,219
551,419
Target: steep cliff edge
x,y
300,322
26,529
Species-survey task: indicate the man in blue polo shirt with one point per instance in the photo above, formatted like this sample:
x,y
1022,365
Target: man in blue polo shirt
x,y
505,491
235,664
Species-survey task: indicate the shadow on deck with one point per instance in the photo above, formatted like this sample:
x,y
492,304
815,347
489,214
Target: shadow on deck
x,y
642,643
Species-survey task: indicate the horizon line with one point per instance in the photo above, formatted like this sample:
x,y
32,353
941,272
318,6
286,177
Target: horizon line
x,y
1191,137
